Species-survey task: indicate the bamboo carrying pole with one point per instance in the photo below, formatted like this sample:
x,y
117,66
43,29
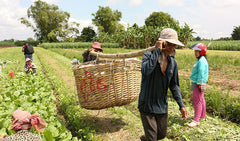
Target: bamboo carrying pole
x,y
123,55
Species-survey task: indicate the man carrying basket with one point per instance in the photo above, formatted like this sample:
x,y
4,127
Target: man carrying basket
x,y
159,72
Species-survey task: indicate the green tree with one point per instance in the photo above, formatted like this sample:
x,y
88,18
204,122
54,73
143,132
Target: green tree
x,y
50,24
160,19
88,34
185,34
30,39
236,33
8,40
198,38
107,20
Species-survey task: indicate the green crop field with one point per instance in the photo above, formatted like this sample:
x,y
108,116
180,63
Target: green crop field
x,y
52,93
219,45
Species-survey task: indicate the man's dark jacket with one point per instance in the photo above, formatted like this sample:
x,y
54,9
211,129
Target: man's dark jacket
x,y
153,96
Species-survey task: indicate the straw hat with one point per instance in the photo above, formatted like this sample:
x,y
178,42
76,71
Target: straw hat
x,y
170,36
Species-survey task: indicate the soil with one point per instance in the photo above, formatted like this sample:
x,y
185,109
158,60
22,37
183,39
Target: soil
x,y
69,80
221,81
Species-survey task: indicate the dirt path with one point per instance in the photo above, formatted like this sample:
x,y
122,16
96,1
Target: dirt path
x,y
220,81
69,80
108,125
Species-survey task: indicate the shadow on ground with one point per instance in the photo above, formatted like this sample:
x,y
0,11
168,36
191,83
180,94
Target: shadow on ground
x,y
105,124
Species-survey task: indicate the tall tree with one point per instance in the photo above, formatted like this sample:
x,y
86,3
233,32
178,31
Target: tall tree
x,y
236,33
160,19
89,33
107,20
185,34
50,24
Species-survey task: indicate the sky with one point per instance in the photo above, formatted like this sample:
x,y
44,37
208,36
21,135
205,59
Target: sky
x,y
210,19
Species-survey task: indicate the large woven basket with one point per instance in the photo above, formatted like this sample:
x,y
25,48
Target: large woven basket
x,y
108,83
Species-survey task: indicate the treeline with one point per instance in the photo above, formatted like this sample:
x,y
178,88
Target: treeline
x,y
110,30
11,43
4,43
77,45
142,37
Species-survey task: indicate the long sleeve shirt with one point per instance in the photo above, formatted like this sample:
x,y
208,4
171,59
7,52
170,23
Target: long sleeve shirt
x,y
154,86
200,72
87,57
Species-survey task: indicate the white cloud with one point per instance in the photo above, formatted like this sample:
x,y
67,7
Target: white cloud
x,y
84,23
166,3
216,17
135,2
10,25
125,24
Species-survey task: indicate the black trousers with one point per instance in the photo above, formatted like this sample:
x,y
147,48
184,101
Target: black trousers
x,y
155,126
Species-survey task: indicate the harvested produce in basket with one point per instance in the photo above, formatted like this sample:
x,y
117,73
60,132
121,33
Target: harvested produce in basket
x,y
108,83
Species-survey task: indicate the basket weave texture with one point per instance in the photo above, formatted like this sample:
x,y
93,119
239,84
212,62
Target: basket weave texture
x,y
107,84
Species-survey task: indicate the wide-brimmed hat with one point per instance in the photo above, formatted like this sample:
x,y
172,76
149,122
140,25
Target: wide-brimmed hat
x,y
170,36
97,45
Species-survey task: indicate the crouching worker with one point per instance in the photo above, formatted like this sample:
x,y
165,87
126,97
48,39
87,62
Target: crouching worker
x,y
22,121
96,46
29,65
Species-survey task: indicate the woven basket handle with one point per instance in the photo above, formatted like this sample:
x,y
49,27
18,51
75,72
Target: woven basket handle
x,y
123,55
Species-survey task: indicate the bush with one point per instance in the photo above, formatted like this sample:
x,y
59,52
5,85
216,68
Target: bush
x,y
20,43
4,43
77,45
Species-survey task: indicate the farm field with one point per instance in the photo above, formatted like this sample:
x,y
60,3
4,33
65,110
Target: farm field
x,y
118,123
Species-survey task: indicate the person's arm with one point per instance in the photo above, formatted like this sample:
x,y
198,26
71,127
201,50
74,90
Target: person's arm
x,y
26,68
200,74
174,87
149,61
23,48
85,55
176,92
34,66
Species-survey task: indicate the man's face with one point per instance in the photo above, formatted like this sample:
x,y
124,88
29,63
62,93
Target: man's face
x,y
170,47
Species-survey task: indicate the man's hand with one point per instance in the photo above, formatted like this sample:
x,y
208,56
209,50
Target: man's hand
x,y
159,44
91,49
184,113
